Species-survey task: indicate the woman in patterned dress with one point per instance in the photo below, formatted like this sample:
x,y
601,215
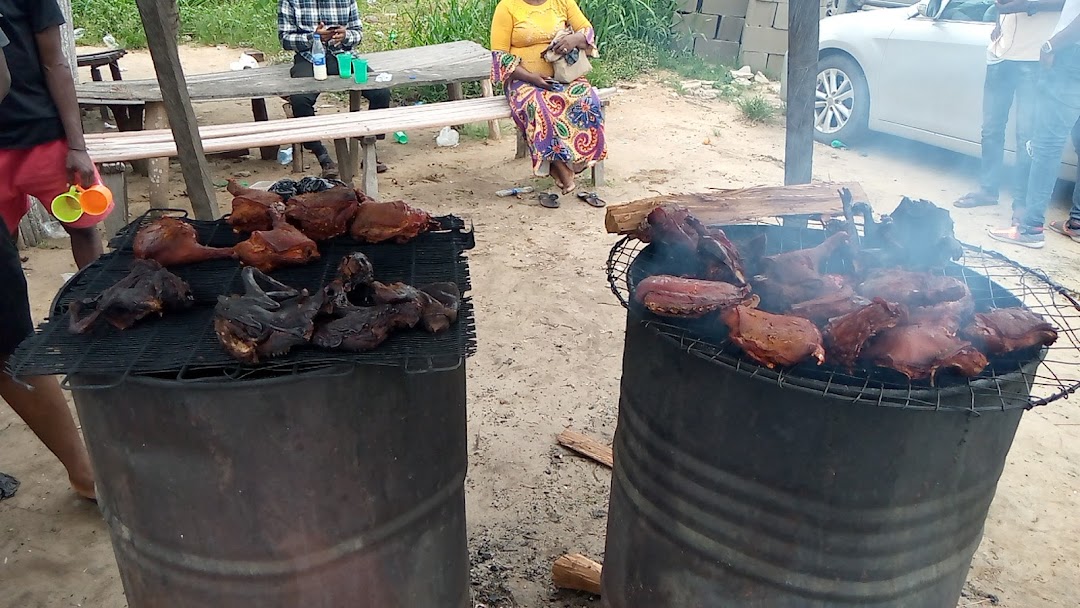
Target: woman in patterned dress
x,y
563,124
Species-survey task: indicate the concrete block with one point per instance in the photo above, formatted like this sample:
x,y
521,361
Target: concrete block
x,y
764,40
717,51
731,29
774,66
781,20
726,8
704,25
688,6
757,61
760,14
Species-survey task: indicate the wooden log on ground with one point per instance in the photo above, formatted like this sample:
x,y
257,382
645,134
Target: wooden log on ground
x,y
739,205
576,572
587,446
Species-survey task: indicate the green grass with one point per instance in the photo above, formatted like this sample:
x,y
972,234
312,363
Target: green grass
x,y
245,23
756,109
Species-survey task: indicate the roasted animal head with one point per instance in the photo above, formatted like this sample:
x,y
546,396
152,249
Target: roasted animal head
x,y
921,351
394,221
323,215
917,235
284,245
173,242
267,320
251,208
148,289
1005,330
355,275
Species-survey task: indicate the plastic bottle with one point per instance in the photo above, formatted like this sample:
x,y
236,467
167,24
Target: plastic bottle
x,y
318,57
515,191
401,138
284,155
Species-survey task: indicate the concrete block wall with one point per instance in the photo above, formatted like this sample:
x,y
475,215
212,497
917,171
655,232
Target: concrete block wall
x,y
742,32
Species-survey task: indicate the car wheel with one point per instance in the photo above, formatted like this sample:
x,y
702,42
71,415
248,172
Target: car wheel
x,y
842,105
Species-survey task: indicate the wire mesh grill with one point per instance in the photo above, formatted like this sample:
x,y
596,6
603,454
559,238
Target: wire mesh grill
x,y
184,346
1021,379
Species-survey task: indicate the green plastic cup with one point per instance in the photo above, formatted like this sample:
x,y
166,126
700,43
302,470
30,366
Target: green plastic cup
x,y
344,64
67,207
359,69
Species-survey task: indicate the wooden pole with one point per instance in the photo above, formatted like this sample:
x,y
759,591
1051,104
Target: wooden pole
x,y
803,22
160,20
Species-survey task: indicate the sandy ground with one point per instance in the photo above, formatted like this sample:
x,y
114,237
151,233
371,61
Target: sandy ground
x,y
550,337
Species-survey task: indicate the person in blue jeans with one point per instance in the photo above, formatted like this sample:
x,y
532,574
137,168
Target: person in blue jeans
x,y
1056,112
1012,71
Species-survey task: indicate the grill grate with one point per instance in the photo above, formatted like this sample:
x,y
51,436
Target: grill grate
x,y
183,345
1011,381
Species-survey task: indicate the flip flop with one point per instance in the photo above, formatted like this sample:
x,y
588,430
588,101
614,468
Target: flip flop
x,y
592,199
975,199
551,201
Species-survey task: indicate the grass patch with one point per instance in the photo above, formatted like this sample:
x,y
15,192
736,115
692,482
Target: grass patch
x,y
756,109
243,23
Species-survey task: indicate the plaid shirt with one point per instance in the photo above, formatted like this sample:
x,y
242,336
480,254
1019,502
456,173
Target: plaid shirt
x,y
297,20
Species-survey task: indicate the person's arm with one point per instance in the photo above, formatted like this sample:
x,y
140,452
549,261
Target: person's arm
x,y
506,68
293,37
353,32
584,37
62,90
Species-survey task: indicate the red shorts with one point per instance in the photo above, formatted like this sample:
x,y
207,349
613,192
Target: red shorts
x,y
39,172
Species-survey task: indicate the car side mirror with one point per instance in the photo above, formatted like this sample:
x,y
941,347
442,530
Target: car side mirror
x,y
931,9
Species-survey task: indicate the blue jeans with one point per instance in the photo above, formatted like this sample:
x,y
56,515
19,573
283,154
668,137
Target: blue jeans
x,y
1056,113
1005,81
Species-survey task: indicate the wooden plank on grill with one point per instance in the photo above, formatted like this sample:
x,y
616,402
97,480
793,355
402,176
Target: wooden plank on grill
x,y
739,205
587,446
577,572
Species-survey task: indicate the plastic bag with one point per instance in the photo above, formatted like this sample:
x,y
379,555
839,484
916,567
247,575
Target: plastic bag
x,y
447,138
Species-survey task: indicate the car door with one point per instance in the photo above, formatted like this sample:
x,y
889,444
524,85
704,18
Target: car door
x,y
931,86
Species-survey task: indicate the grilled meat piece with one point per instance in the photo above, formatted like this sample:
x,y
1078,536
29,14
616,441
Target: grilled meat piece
x,y
1005,330
689,298
439,304
323,215
714,257
251,208
268,250
172,242
267,320
914,289
148,289
837,303
780,297
355,275
364,328
773,340
667,224
803,265
950,315
846,335
376,222
921,351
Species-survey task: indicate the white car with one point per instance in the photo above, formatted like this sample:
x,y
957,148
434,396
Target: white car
x,y
916,72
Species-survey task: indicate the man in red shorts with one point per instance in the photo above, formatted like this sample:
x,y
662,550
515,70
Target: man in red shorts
x,y
41,151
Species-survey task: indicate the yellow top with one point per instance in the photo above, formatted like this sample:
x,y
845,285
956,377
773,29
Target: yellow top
x,y
525,30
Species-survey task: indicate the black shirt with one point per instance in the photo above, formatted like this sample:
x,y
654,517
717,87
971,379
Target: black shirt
x,y
28,116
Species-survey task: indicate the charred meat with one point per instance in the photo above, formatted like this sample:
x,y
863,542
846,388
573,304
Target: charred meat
x,y
355,275
714,257
439,305
266,321
913,289
690,298
149,289
846,335
1006,330
395,221
323,215
837,303
921,351
364,328
172,242
269,250
251,208
773,340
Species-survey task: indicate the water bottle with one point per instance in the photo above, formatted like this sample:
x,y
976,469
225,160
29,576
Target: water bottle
x,y
318,57
401,137
284,155
515,191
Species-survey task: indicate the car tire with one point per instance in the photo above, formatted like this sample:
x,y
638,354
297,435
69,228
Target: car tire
x,y
842,94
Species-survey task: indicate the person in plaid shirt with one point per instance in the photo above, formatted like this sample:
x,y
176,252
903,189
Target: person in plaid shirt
x,y
337,23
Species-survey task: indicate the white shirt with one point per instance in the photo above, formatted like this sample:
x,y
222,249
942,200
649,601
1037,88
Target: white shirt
x,y
1022,36
1069,13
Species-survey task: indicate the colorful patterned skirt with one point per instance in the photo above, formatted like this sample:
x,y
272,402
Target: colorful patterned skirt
x,y
565,125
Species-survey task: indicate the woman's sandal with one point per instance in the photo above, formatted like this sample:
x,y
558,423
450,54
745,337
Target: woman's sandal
x,y
551,201
975,199
592,199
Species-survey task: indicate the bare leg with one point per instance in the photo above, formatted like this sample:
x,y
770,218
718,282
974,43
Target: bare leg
x,y
85,245
565,176
45,411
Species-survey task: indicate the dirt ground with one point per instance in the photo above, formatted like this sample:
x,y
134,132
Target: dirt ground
x,y
550,335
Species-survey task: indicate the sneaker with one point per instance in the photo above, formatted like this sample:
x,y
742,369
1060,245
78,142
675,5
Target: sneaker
x,y
1033,239
1068,228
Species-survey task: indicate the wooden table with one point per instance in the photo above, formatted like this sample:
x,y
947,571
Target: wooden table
x,y
445,64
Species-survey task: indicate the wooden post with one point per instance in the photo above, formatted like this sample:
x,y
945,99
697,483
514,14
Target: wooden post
x,y
455,92
114,176
158,168
494,131
370,185
354,143
258,111
803,22
160,20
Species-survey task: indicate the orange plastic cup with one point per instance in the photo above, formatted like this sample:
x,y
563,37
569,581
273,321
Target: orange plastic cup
x,y
96,199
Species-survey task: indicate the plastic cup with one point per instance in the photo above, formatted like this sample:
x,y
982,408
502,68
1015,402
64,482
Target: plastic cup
x,y
96,199
67,207
344,64
359,68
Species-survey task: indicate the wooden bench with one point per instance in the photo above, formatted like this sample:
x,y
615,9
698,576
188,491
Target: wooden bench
x,y
112,150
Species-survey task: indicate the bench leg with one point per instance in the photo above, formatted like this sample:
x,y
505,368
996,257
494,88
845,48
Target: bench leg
x,y
114,176
522,147
598,177
455,92
258,112
355,100
156,118
494,131
344,160
298,158
371,180
95,75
